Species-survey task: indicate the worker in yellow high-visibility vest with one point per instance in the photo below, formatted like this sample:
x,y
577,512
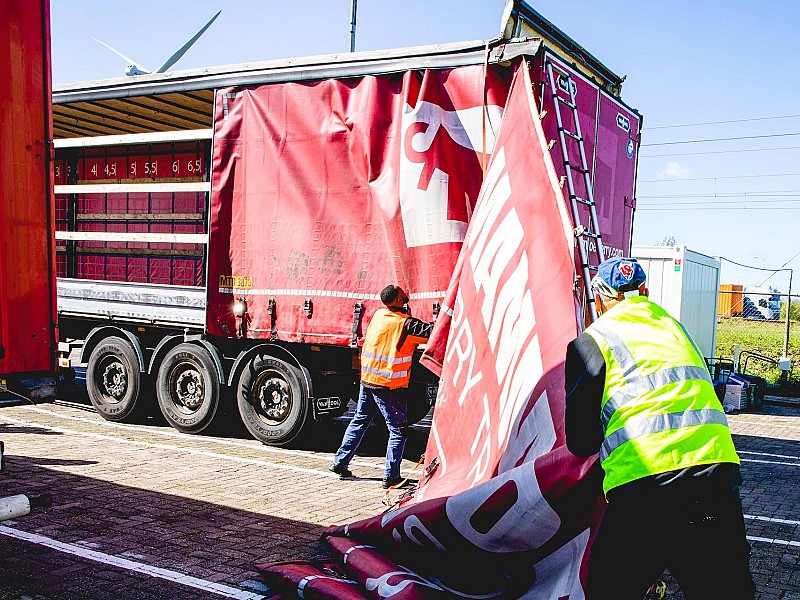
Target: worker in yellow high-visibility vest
x,y
389,344
639,392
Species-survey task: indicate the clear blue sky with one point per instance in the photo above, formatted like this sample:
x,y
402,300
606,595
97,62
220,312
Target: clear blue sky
x,y
686,62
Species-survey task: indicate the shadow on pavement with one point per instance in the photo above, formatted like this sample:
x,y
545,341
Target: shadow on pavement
x,y
197,538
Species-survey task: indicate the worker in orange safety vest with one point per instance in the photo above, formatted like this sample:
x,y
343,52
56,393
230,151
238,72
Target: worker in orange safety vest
x,y
389,344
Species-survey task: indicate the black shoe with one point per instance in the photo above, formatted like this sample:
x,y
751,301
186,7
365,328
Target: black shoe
x,y
342,472
392,481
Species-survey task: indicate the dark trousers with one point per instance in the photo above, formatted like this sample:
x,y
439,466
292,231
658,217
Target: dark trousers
x,y
696,532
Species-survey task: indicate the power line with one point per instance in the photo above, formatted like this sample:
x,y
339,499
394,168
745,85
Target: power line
x,y
717,203
720,152
791,259
691,208
755,194
773,272
726,139
725,122
747,266
718,177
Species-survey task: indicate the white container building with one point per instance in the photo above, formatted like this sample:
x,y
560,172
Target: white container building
x,y
686,284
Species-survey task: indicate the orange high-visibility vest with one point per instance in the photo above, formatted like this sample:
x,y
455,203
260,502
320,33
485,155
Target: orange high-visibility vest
x,y
382,362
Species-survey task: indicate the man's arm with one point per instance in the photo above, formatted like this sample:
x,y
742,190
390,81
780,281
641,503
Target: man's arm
x,y
416,328
585,377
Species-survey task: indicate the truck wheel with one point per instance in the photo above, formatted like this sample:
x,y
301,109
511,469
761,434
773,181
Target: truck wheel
x,y
187,388
421,397
113,379
272,400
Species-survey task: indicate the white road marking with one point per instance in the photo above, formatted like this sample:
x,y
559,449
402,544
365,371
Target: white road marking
x,y
176,434
753,538
130,565
772,520
195,451
769,454
769,462
766,424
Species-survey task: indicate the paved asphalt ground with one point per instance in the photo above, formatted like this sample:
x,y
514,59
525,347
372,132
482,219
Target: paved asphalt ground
x,y
143,512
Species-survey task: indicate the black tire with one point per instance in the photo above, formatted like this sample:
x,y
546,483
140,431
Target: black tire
x,y
187,388
421,397
113,380
272,400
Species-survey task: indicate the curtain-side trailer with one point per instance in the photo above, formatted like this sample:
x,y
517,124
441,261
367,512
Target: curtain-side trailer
x,y
223,234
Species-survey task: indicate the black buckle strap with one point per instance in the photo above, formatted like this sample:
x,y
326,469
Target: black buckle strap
x,y
273,329
358,312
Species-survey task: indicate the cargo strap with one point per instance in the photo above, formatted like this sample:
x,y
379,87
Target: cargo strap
x,y
273,329
406,495
358,312
587,236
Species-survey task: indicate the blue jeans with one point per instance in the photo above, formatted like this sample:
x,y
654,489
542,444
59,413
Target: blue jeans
x,y
393,405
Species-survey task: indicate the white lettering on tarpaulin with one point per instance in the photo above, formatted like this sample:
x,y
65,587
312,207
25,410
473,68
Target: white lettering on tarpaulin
x,y
412,524
507,307
461,343
306,581
531,438
384,589
527,524
489,265
352,549
483,439
558,574
609,251
425,211
393,514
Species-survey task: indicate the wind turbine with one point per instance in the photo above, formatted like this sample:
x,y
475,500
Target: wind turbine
x,y
135,68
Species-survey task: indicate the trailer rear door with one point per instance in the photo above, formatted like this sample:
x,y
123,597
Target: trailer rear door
x,y
27,285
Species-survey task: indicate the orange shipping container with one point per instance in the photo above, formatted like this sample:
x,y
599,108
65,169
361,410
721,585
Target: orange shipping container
x,y
730,300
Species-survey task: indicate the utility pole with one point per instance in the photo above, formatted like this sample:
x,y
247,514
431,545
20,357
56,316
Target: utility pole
x,y
353,26
788,311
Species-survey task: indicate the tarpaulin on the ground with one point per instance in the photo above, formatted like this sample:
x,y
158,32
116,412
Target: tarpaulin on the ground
x,y
504,510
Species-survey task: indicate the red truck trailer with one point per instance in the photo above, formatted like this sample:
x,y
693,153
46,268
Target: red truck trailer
x,y
223,234
27,252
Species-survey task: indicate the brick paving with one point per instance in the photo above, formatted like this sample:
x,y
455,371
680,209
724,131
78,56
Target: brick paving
x,y
210,507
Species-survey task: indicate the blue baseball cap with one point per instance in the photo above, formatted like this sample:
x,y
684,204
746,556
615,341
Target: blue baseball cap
x,y
617,275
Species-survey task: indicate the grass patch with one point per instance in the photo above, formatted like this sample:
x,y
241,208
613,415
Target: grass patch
x,y
762,337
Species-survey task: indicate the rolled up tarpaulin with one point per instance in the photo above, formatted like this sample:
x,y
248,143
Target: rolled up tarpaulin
x,y
310,579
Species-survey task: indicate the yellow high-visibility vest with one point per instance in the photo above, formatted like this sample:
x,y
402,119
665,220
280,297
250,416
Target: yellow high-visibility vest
x,y
659,409
382,362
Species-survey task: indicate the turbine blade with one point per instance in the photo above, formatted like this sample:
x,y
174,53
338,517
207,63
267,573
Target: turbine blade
x,y
130,61
177,56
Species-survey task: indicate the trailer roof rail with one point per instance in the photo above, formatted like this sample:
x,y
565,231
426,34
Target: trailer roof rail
x,y
156,137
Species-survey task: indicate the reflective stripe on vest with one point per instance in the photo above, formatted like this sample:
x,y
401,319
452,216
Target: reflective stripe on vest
x,y
664,422
385,373
398,360
659,412
636,383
